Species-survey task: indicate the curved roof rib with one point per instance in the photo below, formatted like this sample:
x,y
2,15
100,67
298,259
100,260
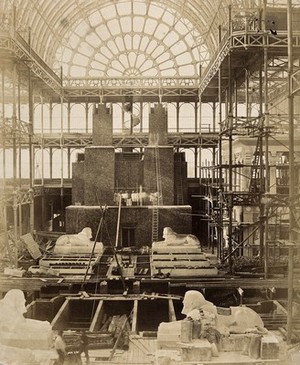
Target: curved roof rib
x,y
112,38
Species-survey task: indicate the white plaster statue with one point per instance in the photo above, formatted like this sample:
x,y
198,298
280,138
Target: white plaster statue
x,y
77,243
239,319
197,308
194,300
172,238
18,331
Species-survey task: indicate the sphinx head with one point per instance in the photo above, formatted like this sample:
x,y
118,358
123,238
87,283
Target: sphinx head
x,y
167,232
15,299
87,231
193,299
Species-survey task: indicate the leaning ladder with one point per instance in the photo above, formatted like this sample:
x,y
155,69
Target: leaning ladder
x,y
155,223
158,177
179,198
254,185
159,200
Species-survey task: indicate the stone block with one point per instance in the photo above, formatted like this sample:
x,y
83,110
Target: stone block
x,y
166,341
34,339
168,357
168,335
197,350
269,347
235,343
254,346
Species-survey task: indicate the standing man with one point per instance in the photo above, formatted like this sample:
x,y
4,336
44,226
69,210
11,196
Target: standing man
x,y
60,347
83,348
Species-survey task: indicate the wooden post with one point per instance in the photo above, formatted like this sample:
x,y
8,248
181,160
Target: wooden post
x,y
292,187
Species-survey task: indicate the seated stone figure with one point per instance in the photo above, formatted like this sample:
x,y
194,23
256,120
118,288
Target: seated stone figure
x,y
172,238
18,331
80,243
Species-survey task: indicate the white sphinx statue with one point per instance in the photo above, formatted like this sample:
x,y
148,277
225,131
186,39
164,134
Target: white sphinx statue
x,y
237,320
22,339
172,238
16,330
208,323
79,243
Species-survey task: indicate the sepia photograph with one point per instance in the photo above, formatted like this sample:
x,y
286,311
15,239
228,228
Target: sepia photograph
x,y
150,182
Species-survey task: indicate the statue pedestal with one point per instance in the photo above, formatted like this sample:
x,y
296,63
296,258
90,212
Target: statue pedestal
x,y
168,357
196,350
40,339
23,356
269,347
168,335
236,343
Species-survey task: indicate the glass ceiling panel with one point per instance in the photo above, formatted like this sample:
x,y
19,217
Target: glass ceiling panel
x,y
111,38
131,38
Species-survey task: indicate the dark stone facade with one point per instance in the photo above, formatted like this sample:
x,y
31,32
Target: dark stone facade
x,y
103,172
138,218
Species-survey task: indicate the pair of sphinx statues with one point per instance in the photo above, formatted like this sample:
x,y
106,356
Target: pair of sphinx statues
x,y
81,242
20,336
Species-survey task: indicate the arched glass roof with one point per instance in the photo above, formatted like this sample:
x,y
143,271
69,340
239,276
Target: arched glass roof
x,y
116,38
131,39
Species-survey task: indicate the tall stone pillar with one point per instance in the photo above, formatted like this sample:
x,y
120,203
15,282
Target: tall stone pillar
x,y
158,156
78,183
99,175
158,126
99,164
102,126
164,157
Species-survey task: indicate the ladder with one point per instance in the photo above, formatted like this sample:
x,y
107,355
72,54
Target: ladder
x,y
159,200
179,197
155,224
254,186
158,176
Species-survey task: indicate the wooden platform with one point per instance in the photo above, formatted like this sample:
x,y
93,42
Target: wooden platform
x,y
70,264
142,351
180,261
128,267
169,270
36,283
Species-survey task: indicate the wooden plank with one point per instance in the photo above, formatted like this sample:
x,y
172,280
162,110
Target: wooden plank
x,y
95,324
185,271
134,317
118,338
176,250
178,263
61,316
172,315
138,344
31,245
182,256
